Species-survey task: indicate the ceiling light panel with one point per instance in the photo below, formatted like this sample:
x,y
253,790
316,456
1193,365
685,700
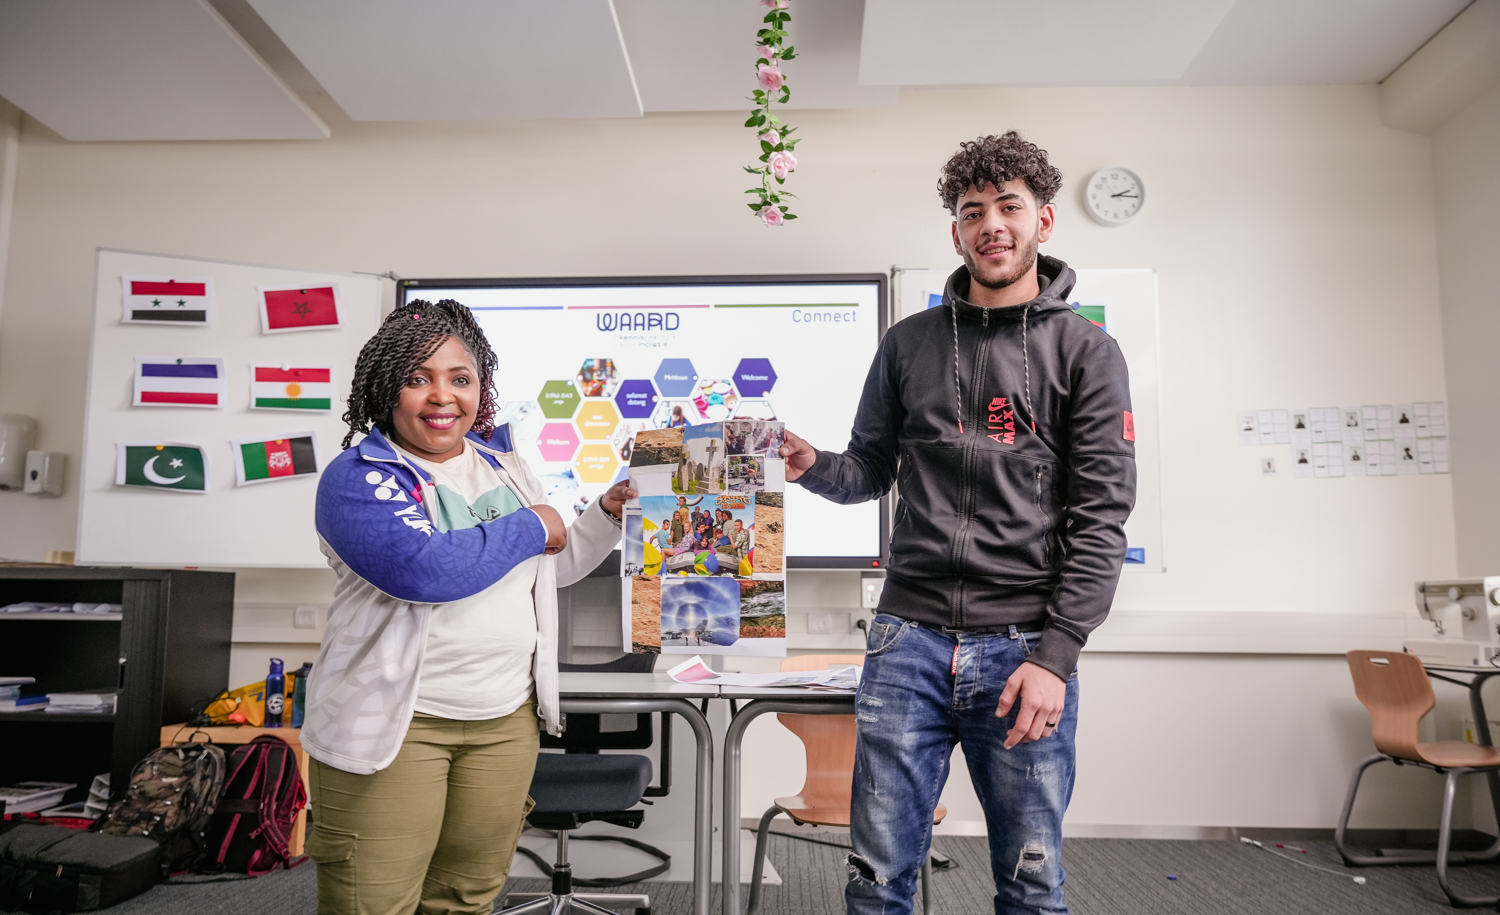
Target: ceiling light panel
x,y
395,60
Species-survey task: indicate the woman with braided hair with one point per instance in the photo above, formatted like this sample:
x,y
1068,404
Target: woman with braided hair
x,y
440,652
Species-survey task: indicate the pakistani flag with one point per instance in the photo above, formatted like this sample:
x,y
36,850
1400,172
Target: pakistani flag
x,y
263,460
169,465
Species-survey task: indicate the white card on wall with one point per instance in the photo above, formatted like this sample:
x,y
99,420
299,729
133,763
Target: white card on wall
x,y
1406,457
1268,466
1388,459
1283,427
1405,428
1352,429
1302,462
1249,428
1354,459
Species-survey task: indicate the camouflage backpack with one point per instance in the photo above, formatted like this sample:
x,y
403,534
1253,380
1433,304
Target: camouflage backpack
x,y
170,798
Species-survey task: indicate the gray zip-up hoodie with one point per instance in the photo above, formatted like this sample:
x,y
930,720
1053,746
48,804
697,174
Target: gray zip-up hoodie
x,y
1009,434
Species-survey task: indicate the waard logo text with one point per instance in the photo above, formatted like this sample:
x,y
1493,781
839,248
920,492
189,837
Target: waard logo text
x,y
637,320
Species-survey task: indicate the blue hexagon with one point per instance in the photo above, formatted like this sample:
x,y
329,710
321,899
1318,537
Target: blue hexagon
x,y
636,398
754,377
675,377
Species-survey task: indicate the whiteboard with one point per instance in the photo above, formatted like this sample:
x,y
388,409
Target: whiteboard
x,y
228,526
1129,300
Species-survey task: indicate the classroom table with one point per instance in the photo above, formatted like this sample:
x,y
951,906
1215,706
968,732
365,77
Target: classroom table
x,y
1482,737
626,693
762,701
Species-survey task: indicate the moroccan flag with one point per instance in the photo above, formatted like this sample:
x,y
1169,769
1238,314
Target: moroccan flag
x,y
1094,313
299,308
277,387
168,300
186,382
165,465
259,461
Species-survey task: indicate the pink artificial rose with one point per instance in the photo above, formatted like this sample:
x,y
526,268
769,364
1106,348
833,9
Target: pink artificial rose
x,y
771,216
765,51
781,163
774,4
770,77
771,137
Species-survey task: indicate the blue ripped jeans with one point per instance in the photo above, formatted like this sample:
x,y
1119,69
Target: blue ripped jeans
x,y
911,709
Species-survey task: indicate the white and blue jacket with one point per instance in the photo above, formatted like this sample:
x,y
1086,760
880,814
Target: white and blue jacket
x,y
395,559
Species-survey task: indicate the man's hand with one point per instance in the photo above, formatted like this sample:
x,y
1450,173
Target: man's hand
x,y
799,455
1042,694
613,500
557,532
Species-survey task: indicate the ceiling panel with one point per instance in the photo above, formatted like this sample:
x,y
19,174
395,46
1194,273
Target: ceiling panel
x,y
1307,42
396,60
142,70
1033,42
691,55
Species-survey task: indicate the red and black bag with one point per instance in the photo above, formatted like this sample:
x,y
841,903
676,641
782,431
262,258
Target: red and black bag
x,y
252,823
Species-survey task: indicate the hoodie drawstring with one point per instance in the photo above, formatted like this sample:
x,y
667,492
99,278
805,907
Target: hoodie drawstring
x,y
958,398
1026,360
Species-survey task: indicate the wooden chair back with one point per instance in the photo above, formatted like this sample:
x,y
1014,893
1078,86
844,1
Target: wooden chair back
x,y
1395,690
827,739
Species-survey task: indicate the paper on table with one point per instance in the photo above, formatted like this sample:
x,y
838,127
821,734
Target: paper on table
x,y
693,670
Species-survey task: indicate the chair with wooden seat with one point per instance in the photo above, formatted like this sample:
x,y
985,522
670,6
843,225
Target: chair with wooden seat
x,y
827,791
1394,688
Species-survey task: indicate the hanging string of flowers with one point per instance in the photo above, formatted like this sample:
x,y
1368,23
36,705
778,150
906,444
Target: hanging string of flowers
x,y
776,145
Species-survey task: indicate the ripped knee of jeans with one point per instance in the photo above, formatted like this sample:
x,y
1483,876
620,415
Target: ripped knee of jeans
x,y
866,707
860,869
1031,860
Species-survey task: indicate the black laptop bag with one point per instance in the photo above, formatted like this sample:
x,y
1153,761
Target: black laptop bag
x,y
52,869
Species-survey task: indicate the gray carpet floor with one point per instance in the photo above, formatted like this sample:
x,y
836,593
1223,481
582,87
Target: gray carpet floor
x,y
1105,877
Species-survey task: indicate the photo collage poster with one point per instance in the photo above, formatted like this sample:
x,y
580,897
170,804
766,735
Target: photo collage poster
x,y
704,568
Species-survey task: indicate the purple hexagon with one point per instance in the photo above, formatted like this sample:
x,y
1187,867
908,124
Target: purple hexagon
x,y
636,398
754,377
675,378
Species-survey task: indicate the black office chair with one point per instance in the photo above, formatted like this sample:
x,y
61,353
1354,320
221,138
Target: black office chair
x,y
581,785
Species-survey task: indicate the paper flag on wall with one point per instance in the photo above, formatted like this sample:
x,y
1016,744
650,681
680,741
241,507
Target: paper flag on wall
x,y
264,460
161,465
182,382
288,387
290,308
186,301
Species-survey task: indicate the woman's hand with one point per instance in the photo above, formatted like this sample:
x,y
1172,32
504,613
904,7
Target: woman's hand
x,y
613,500
557,532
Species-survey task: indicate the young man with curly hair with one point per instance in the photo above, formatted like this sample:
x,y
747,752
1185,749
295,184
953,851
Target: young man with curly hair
x,y
1004,419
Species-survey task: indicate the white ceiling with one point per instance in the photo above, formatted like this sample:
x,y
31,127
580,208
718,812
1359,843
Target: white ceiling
x,y
236,69
143,70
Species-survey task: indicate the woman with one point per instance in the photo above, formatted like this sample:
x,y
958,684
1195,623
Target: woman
x,y
441,646
677,420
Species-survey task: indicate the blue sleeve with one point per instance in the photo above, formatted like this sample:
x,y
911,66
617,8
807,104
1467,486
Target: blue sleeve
x,y
391,543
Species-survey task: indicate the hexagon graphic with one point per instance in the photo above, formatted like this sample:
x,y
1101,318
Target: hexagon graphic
x,y
598,378
671,414
755,408
559,399
754,377
675,378
558,442
597,420
636,398
596,463
714,399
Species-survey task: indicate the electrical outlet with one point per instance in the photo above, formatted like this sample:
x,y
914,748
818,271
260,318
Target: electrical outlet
x,y
305,618
819,623
870,586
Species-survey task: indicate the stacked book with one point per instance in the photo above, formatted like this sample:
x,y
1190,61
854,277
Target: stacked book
x,y
11,699
100,701
91,809
32,797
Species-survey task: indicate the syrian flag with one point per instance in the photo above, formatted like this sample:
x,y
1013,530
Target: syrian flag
x,y
190,382
286,387
168,300
161,465
263,460
289,308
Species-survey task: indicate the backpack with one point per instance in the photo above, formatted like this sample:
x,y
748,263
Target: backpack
x,y
170,799
262,795
52,869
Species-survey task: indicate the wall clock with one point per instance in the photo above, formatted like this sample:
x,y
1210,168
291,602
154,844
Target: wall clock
x,y
1114,196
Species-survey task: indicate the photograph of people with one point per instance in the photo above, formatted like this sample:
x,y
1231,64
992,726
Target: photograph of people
x,y
439,661
985,653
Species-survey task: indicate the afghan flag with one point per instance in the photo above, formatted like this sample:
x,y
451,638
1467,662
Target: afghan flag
x,y
168,300
188,382
259,461
164,465
284,309
1094,314
285,387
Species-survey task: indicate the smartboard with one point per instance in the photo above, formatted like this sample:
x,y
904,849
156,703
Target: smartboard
x,y
269,524
1124,301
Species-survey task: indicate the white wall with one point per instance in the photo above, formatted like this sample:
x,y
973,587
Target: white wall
x,y
1293,234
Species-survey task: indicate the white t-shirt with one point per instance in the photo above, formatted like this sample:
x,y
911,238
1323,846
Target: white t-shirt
x,y
477,662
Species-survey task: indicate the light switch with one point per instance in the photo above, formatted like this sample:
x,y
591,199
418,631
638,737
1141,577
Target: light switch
x,y
819,624
305,618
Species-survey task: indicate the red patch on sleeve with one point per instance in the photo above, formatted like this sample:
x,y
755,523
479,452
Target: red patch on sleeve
x,y
1129,426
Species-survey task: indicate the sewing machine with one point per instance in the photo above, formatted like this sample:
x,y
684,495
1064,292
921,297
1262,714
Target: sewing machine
x,y
1466,616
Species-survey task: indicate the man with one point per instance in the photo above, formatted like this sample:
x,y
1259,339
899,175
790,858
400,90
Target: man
x,y
1006,419
740,538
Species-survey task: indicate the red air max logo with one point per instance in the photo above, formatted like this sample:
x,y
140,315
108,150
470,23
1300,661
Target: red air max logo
x,y
1002,421
1129,426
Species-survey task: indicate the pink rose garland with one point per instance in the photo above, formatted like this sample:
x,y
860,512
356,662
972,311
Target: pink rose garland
x,y
773,135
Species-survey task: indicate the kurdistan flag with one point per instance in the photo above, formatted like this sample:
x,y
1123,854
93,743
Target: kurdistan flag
x,y
263,460
286,387
168,465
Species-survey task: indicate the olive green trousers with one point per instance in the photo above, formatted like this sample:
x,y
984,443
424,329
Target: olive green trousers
x,y
435,831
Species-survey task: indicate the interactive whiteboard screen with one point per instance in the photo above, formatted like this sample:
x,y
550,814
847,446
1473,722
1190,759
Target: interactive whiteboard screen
x,y
585,364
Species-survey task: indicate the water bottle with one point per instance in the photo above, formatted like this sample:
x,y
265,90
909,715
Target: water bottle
x,y
275,694
299,694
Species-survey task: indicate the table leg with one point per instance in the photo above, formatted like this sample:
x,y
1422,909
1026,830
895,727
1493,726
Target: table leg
x,y
703,817
816,704
1483,739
